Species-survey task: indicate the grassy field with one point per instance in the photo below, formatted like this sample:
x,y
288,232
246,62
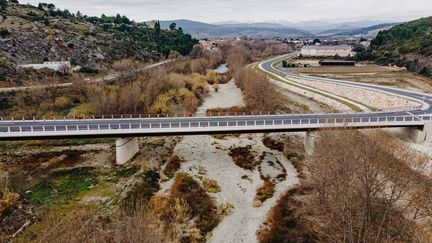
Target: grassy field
x,y
374,74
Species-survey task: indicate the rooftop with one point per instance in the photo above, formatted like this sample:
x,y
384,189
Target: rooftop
x,y
338,47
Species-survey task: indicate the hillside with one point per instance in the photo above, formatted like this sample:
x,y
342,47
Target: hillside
x,y
408,44
32,34
367,31
346,30
256,30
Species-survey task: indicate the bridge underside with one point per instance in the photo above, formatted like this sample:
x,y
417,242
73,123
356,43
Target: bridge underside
x,y
127,142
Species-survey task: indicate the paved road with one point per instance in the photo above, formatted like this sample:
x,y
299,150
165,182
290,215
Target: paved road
x,y
122,127
426,99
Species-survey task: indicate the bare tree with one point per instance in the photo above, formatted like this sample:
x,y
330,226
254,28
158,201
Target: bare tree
x,y
52,88
368,187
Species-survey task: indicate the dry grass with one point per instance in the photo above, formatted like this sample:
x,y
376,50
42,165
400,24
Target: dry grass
x,y
211,185
273,144
260,93
201,205
265,192
244,157
374,74
346,69
134,220
373,190
172,166
90,225
287,222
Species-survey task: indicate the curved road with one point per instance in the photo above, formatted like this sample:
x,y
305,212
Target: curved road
x,y
140,126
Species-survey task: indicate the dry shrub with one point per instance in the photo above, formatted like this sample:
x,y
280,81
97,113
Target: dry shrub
x,y
294,151
202,207
244,157
368,191
216,87
227,111
273,144
225,77
261,94
172,166
211,185
196,83
375,189
134,221
83,110
128,70
176,101
89,225
212,77
238,56
63,102
156,90
7,198
141,191
288,221
266,191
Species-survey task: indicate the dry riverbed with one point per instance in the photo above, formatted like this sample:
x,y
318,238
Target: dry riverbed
x,y
211,158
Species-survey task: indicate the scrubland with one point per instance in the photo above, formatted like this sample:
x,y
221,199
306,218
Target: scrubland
x,y
375,189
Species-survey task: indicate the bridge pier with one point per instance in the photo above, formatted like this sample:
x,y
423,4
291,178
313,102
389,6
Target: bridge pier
x,y
126,148
419,135
309,142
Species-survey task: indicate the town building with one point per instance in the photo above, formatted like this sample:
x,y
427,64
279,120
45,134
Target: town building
x,y
56,66
337,63
327,51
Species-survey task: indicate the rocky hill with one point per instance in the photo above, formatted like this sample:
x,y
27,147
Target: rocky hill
x,y
30,34
408,45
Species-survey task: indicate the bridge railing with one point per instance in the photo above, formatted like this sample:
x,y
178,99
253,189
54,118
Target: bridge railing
x,y
207,114
92,127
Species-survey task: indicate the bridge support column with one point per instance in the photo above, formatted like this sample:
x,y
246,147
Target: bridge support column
x,y
309,142
126,148
420,135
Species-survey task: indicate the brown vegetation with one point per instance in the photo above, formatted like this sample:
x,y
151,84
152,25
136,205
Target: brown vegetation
x,y
273,144
261,94
244,157
266,191
173,164
187,204
374,190
211,185
238,54
288,222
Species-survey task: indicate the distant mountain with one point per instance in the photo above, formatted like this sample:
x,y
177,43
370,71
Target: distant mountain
x,y
278,29
368,31
256,25
230,30
323,26
347,30
186,24
337,30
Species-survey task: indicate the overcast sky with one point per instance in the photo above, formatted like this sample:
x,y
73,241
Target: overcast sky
x,y
252,10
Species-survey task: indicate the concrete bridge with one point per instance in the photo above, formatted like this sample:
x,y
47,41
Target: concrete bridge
x,y
417,121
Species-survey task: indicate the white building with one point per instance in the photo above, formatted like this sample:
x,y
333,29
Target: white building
x,y
327,51
51,65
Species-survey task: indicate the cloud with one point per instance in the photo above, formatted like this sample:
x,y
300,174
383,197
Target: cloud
x,y
252,10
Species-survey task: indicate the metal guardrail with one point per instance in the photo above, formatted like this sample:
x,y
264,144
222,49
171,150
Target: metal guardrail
x,y
211,114
141,126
